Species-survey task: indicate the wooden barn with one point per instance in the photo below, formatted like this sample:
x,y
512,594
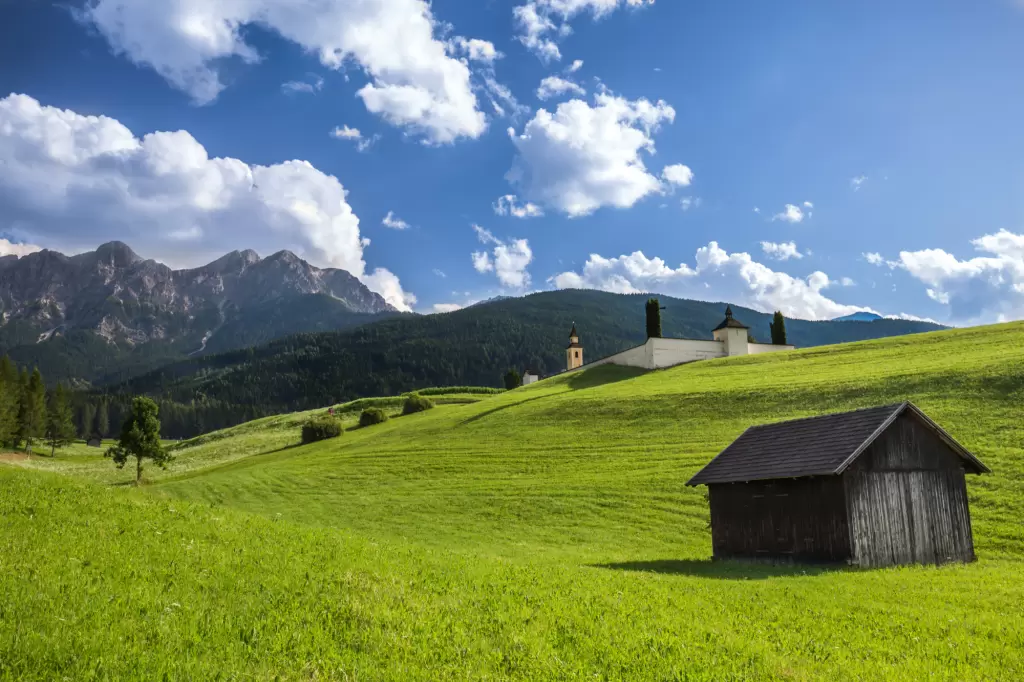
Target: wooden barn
x,y
873,487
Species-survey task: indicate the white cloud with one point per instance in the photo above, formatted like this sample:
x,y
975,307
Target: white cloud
x,y
474,49
983,288
508,205
730,276
808,204
677,175
447,307
309,87
553,86
9,248
536,21
847,282
71,181
575,66
783,251
874,258
502,100
354,135
413,82
507,260
856,182
440,273
686,203
394,222
584,157
791,214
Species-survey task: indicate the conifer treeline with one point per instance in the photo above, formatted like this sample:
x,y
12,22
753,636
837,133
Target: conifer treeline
x,y
31,415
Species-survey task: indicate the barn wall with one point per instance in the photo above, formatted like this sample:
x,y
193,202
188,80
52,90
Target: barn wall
x,y
907,500
671,352
794,519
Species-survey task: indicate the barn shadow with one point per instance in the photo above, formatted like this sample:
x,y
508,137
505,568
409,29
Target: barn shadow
x,y
601,375
725,570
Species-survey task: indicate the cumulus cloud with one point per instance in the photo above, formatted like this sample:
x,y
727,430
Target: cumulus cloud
x,y
554,86
446,307
413,82
731,276
538,30
984,288
581,157
509,205
677,175
9,248
73,181
474,49
856,182
575,66
508,260
791,214
354,135
686,203
394,222
783,251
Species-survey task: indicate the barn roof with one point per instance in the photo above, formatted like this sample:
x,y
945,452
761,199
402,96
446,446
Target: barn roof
x,y
813,446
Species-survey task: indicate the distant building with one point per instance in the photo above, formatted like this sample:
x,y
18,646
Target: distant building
x,y
730,338
574,352
875,487
529,377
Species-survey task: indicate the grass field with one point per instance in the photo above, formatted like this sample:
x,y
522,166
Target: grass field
x,y
543,533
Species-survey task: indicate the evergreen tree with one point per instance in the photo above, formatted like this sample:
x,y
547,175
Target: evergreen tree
x,y
778,327
60,427
34,420
140,438
653,318
87,420
102,420
513,379
9,400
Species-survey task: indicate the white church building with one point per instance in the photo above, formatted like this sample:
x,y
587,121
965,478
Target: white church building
x,y
730,338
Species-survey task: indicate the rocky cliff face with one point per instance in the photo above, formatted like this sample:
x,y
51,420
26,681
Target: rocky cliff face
x,y
126,300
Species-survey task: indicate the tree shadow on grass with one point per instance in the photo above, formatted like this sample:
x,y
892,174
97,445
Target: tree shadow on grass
x,y
601,375
726,570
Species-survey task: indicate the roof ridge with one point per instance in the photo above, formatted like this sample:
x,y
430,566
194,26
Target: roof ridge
x,y
833,414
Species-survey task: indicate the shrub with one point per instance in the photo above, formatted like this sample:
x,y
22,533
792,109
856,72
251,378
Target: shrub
x,y
417,403
372,415
320,428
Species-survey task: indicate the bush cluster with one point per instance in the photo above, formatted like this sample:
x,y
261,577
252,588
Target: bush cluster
x,y
416,403
320,428
371,416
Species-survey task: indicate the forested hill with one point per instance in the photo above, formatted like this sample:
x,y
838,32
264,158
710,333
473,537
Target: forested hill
x,y
474,346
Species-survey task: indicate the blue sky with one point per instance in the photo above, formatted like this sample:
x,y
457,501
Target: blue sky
x,y
880,143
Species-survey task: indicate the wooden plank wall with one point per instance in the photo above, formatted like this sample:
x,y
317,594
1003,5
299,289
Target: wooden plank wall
x,y
792,520
907,500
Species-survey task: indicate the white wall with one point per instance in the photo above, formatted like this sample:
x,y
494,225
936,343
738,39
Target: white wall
x,y
756,348
669,352
529,379
633,357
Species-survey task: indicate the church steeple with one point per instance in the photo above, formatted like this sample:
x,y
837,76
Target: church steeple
x,y
574,352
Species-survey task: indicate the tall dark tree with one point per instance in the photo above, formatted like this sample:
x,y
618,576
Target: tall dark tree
x,y
87,420
60,426
778,327
10,397
513,379
140,438
35,422
103,419
653,318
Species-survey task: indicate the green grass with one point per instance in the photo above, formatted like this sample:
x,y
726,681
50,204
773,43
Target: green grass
x,y
542,533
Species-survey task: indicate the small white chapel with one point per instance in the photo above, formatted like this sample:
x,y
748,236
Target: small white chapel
x,y
729,338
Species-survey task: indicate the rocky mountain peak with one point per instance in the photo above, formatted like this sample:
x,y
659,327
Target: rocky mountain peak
x,y
118,254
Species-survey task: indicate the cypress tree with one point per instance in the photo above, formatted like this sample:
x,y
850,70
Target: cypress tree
x,y
653,318
778,327
60,427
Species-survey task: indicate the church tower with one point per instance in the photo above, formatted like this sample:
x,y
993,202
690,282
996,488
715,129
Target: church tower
x,y
574,353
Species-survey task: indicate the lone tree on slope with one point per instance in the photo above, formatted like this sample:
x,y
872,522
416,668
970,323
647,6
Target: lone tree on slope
x,y
778,327
513,379
60,425
140,438
653,318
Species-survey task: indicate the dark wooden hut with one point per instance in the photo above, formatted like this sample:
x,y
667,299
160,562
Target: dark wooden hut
x,y
874,487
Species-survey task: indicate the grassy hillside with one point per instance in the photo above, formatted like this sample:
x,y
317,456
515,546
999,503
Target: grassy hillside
x,y
544,533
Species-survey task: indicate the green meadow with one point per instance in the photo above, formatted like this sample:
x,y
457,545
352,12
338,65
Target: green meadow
x,y
545,533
